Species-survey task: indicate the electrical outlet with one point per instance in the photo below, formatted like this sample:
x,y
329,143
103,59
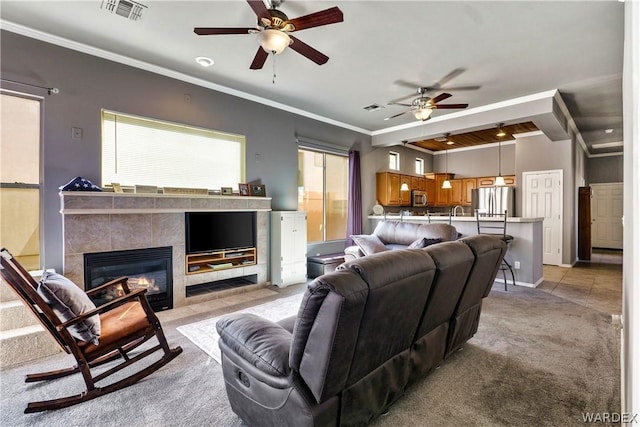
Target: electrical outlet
x,y
516,265
76,133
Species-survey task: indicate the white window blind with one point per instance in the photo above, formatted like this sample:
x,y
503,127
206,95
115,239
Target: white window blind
x,y
143,151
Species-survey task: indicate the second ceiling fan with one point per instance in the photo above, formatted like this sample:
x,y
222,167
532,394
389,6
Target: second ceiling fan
x,y
423,106
274,28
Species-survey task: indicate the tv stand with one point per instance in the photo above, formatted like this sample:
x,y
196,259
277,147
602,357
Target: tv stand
x,y
219,260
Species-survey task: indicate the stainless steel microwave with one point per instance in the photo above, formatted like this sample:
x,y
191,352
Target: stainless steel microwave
x,y
419,198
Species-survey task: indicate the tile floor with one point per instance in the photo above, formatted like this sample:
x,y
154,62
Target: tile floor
x,y
596,284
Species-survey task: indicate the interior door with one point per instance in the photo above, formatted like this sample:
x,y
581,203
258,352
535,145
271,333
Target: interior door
x,y
542,197
606,216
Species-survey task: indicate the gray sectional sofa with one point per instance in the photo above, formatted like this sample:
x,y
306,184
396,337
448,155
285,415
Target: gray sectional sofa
x,y
398,235
363,333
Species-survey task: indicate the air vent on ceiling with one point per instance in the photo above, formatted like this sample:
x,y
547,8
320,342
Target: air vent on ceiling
x,y
125,8
373,107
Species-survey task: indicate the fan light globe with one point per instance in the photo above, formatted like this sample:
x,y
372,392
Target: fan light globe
x,y
422,113
273,41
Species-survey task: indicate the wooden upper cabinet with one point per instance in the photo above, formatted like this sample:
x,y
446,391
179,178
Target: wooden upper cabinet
x,y
468,184
418,183
490,181
510,180
455,192
388,188
430,189
405,196
443,195
486,181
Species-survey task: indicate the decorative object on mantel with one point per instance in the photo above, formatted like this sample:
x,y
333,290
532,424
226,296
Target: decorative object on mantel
x,y
243,189
80,184
117,188
258,190
181,190
378,209
145,189
227,191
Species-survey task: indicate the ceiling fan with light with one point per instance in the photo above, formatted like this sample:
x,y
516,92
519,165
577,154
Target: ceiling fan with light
x,y
274,28
423,106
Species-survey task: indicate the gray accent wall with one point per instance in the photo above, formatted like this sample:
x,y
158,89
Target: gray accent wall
x,y
602,170
89,84
477,162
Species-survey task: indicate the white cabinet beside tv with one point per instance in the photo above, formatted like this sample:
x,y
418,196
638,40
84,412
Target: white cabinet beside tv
x,y
288,247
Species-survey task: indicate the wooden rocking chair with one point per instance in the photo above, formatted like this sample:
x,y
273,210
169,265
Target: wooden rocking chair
x,y
126,322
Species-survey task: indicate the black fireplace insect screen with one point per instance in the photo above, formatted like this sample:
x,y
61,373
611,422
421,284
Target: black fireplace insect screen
x,y
149,268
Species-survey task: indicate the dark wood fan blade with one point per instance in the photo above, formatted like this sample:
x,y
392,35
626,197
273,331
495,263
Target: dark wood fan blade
x,y
450,106
440,97
396,115
259,9
317,19
204,31
259,59
306,50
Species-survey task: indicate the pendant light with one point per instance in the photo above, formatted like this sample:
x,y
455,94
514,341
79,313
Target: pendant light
x,y
499,182
404,186
446,184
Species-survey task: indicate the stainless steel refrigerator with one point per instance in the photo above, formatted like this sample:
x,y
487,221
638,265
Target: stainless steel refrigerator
x,y
494,200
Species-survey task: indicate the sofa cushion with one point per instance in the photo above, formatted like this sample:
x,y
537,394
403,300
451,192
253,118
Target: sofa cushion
x,y
369,243
405,233
423,242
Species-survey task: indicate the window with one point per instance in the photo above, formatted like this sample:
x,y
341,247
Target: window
x,y
419,166
394,161
142,151
322,192
20,178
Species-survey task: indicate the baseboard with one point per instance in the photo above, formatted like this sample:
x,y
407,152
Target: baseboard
x,y
523,284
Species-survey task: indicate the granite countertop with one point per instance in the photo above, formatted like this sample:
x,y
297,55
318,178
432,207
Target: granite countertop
x,y
460,218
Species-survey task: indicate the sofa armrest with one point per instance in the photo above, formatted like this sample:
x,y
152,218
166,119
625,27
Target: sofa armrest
x,y
261,342
352,252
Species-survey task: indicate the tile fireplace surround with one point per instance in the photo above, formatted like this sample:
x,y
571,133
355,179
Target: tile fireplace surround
x,y
103,222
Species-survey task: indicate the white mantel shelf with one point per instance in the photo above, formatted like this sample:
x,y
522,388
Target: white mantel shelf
x,y
96,202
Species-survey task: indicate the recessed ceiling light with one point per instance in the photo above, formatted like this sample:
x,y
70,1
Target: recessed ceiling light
x,y
204,61
608,131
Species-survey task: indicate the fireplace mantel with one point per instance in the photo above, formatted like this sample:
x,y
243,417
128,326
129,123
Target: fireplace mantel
x,y
106,221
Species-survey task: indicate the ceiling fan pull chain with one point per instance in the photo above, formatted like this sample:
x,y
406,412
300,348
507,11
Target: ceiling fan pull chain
x,y
274,68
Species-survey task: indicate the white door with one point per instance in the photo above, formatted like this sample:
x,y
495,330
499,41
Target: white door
x,y
606,215
542,198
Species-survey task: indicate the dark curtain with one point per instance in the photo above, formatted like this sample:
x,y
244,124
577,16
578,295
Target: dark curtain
x,y
354,212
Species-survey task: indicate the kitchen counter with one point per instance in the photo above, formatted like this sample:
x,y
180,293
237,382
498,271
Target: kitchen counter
x,y
526,247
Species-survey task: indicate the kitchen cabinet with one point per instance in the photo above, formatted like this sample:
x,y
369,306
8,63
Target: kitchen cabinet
x,y
443,195
430,189
455,194
405,196
490,181
418,183
288,247
388,188
468,184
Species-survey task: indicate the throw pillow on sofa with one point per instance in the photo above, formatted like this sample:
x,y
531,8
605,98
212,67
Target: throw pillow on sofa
x,y
68,301
423,242
369,243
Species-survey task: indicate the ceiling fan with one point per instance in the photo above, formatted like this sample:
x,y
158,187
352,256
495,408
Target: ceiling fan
x,y
423,106
436,87
274,28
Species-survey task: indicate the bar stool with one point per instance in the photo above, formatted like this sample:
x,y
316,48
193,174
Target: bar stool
x,y
496,225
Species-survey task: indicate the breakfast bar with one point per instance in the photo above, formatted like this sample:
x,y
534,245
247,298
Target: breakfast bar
x,y
525,252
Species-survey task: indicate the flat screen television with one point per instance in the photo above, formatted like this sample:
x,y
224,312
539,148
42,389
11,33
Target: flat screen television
x,y
219,231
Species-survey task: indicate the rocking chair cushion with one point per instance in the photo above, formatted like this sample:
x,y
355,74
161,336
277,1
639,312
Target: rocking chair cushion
x,y
69,301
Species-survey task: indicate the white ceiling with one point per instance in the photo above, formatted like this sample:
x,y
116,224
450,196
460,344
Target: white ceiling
x,y
509,48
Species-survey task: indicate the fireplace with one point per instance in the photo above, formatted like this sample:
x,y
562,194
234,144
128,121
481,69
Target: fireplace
x,y
149,268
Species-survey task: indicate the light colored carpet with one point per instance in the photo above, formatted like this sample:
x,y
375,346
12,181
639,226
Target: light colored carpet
x,y
204,333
